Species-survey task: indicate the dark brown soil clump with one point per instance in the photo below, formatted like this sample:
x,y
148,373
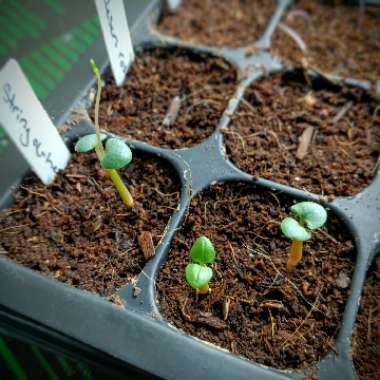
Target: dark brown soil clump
x,y
78,231
340,39
366,340
220,23
256,307
137,109
265,135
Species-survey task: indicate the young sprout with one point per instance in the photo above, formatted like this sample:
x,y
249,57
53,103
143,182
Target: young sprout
x,y
116,153
311,216
198,274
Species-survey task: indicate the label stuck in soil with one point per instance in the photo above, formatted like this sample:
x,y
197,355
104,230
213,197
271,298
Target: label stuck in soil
x,y
28,124
114,24
173,4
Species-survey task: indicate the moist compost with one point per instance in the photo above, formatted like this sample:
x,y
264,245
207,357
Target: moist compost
x,y
78,231
340,39
267,129
220,23
366,340
256,307
137,109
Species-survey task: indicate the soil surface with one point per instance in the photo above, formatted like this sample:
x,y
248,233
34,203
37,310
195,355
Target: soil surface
x,y
257,308
78,231
342,40
138,109
366,340
220,23
340,158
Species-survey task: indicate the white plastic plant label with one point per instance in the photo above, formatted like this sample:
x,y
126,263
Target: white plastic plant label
x,y
28,124
114,24
173,4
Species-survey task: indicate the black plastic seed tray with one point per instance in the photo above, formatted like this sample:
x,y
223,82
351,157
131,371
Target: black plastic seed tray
x,y
138,335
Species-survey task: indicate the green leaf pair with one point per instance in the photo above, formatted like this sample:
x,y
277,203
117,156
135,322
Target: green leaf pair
x,y
311,214
202,253
117,153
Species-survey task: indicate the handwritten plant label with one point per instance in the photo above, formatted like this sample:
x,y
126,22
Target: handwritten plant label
x,y
28,125
173,4
113,21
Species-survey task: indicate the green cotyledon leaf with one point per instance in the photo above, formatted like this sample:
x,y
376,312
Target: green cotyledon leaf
x,y
202,251
88,143
117,154
311,213
293,230
198,275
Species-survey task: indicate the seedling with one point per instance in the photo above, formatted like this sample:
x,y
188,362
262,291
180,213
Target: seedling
x,y
116,153
311,216
198,274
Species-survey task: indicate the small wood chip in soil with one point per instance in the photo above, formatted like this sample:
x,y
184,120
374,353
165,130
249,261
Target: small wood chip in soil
x,y
146,244
305,141
173,110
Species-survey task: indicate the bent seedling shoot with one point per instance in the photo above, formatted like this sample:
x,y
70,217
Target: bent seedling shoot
x,y
197,273
311,216
116,153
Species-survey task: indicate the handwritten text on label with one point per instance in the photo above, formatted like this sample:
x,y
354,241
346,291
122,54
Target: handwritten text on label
x,y
113,21
28,124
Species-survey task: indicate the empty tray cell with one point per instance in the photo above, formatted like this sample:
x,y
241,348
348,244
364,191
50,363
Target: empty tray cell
x,y
137,110
340,39
321,138
256,307
220,23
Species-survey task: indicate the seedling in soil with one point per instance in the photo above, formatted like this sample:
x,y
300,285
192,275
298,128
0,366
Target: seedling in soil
x,y
198,274
116,153
310,217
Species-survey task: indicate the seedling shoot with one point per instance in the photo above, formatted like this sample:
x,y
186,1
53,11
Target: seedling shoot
x,y
310,217
198,274
116,153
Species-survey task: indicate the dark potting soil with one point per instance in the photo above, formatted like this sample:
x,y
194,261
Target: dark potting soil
x,y
366,339
257,308
265,135
340,39
137,110
78,231
220,23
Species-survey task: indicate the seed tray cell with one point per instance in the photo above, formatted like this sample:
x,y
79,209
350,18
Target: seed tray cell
x,y
138,334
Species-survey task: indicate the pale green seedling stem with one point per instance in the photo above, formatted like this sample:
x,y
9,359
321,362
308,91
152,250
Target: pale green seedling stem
x,y
99,146
124,193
